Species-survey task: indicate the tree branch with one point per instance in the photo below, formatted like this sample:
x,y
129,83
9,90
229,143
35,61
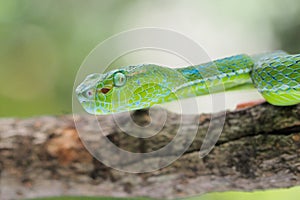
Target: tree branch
x,y
258,149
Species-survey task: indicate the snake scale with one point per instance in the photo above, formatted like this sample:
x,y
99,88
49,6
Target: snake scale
x,y
276,76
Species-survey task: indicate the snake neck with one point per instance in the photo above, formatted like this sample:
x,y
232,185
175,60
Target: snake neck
x,y
220,75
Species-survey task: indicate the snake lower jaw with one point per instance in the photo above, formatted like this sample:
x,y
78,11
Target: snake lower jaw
x,y
87,106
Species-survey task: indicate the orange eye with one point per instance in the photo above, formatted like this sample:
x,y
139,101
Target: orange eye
x,y
104,90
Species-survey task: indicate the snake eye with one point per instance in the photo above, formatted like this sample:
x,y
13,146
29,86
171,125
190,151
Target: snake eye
x,y
119,79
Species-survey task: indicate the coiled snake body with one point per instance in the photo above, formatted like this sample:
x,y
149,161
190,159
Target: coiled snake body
x,y
276,76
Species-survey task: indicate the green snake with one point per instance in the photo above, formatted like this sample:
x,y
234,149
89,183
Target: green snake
x,y
275,75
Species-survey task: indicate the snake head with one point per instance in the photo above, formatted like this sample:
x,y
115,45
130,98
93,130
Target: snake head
x,y
126,89
95,92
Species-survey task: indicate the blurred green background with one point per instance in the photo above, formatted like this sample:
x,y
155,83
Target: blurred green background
x,y
43,43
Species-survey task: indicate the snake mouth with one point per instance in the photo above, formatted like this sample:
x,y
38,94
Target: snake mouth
x,y
87,105
95,107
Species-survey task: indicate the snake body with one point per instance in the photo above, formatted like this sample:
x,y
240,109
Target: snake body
x,y
275,75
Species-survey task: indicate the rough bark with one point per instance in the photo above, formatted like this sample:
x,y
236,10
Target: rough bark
x,y
258,149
